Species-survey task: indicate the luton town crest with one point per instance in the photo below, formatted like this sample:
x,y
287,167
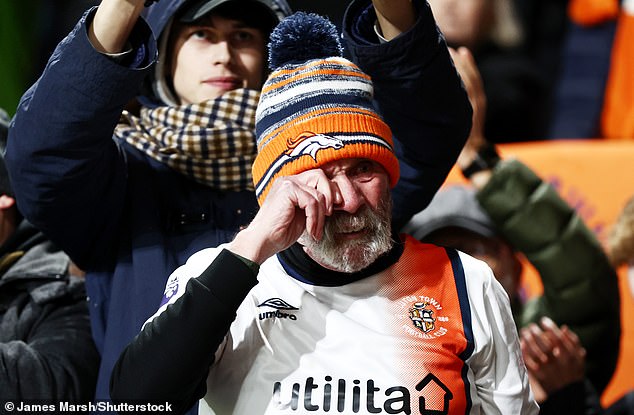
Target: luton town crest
x,y
422,317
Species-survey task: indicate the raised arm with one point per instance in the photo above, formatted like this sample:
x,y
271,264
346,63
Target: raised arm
x,y
536,221
417,91
113,23
394,16
69,175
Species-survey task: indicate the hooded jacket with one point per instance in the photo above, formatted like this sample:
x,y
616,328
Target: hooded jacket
x,y
580,286
46,348
129,221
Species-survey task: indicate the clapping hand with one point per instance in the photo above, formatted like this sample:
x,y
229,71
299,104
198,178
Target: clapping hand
x,y
553,356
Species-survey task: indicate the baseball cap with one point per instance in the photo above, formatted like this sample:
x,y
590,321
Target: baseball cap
x,y
198,9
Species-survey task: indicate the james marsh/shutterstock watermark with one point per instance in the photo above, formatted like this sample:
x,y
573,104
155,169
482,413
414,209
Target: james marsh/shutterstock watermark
x,y
10,407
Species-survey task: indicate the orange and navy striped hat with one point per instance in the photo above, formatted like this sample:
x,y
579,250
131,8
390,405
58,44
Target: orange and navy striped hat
x,y
315,106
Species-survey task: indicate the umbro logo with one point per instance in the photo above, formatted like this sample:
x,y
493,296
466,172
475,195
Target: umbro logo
x,y
278,304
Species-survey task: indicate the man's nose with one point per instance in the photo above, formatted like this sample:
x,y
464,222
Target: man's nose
x,y
221,52
351,199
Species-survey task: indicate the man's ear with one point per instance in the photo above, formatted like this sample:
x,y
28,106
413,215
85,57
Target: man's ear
x,y
6,202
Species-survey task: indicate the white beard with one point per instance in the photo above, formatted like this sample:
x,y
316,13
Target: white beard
x,y
355,254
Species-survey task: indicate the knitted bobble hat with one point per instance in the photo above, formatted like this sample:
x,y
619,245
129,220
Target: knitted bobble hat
x,y
315,107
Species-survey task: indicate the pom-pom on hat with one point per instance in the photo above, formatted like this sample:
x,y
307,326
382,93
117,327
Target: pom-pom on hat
x,y
315,107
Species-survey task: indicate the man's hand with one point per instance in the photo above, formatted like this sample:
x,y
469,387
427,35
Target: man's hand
x,y
294,204
468,70
113,24
470,75
553,356
394,16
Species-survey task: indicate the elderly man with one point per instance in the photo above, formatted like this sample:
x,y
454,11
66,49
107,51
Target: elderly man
x,y
316,306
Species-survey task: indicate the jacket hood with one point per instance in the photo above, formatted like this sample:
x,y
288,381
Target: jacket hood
x,y
41,259
159,18
454,206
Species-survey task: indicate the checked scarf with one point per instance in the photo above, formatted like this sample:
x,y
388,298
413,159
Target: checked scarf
x,y
212,142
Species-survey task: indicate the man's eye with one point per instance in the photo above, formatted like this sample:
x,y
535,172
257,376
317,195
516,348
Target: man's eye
x,y
199,34
365,167
363,171
243,36
247,39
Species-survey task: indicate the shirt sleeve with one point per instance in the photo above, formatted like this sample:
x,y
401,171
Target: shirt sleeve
x,y
176,346
500,376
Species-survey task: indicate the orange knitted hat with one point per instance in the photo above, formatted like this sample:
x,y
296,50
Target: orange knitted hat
x,y
315,107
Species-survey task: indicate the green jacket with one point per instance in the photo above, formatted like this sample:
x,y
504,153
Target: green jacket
x,y
580,286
